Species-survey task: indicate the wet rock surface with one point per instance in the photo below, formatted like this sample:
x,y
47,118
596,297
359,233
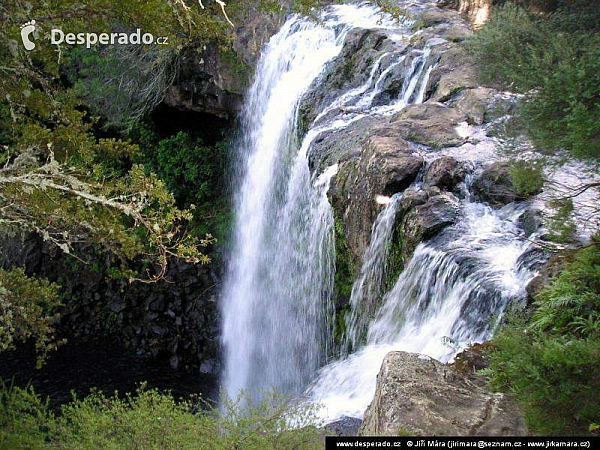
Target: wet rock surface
x,y
381,154
445,173
496,186
421,396
346,426
430,124
384,166
426,220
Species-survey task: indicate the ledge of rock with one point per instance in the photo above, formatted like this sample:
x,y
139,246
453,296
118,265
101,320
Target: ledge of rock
x,y
431,124
445,173
418,395
212,78
495,186
385,166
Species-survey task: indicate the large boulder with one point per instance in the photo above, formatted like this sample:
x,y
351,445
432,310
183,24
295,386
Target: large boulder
x,y
430,124
384,166
496,186
421,396
445,173
474,104
454,72
424,221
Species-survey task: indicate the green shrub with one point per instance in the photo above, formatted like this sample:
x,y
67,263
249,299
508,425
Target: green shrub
x,y
24,419
27,311
552,363
554,59
187,167
527,177
573,299
151,420
556,379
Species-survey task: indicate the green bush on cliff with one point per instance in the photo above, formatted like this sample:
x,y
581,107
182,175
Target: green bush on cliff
x,y
552,362
195,173
151,420
27,311
554,59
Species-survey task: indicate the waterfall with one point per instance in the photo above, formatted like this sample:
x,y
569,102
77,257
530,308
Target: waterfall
x,y
279,282
367,289
444,299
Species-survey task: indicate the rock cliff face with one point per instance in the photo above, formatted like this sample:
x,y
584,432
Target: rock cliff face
x,y
177,320
212,78
420,396
477,12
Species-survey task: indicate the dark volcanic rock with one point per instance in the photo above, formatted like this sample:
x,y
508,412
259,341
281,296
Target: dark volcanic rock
x,y
211,78
473,358
495,185
150,319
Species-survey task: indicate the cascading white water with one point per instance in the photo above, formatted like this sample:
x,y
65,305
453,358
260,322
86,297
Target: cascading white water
x,y
277,291
278,283
444,300
367,289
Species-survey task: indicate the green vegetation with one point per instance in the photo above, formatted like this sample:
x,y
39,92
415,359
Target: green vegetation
x,y
194,173
27,311
61,177
120,83
561,224
151,420
527,177
344,270
553,58
551,362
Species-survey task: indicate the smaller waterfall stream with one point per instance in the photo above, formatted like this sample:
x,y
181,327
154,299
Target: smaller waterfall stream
x,y
444,299
367,288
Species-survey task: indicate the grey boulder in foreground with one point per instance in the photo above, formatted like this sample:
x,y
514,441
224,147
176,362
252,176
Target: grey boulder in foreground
x,y
417,395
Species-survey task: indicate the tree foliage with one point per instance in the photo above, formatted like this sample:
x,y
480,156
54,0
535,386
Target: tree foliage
x,y
57,177
554,59
552,362
28,308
